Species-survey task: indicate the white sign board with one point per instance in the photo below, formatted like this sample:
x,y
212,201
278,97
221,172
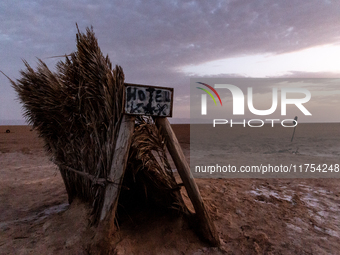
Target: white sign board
x,y
148,100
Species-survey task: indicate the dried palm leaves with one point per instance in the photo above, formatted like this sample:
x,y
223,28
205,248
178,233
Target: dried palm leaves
x,y
77,111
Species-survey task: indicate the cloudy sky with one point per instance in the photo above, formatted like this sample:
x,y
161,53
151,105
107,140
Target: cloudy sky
x,y
167,42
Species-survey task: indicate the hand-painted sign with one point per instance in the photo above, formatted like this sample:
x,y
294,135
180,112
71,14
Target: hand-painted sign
x,y
148,100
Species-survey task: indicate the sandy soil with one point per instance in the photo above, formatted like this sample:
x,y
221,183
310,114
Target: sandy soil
x,y
253,216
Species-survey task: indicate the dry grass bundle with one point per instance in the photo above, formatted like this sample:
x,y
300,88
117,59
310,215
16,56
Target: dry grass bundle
x,y
149,174
77,111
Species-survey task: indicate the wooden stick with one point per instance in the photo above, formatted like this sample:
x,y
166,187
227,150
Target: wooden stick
x,y
208,229
295,123
117,170
99,181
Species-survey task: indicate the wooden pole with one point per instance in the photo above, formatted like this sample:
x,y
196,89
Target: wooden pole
x,y
295,123
117,170
208,229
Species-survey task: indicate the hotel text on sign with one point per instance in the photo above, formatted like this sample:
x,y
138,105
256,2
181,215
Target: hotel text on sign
x,y
148,100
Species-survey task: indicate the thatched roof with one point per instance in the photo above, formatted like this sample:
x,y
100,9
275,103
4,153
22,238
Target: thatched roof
x,y
77,111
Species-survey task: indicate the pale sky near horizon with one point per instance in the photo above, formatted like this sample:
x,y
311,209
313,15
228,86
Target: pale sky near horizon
x,y
167,42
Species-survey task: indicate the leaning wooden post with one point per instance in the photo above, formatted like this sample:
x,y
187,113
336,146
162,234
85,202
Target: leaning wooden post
x,y
157,102
208,229
116,174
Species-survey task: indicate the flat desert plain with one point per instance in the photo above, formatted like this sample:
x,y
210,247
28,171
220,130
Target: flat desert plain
x,y
252,216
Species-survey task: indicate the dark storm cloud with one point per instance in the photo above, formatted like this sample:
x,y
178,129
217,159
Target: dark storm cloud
x,y
151,40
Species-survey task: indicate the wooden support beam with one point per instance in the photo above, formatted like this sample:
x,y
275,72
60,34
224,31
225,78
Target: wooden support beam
x,y
117,170
208,229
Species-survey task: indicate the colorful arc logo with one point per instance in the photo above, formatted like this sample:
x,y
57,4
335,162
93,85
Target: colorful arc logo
x,y
208,92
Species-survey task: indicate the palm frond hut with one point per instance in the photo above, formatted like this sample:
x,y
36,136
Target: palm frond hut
x,y
77,111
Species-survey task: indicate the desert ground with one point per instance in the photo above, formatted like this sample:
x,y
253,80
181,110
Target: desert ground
x,y
252,216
